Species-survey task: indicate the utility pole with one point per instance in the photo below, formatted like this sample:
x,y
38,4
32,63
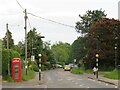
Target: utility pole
x,y
26,41
8,49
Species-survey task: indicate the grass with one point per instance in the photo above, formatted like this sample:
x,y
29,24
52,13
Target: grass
x,y
76,71
30,75
89,71
112,75
8,79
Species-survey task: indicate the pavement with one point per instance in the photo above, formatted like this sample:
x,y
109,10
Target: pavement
x,y
103,79
26,84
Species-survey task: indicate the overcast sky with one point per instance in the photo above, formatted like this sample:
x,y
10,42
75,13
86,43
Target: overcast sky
x,y
64,11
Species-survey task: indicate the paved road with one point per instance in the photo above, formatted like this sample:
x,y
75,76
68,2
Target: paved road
x,y
64,79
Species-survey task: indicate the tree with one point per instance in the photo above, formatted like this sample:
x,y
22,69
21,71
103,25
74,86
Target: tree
x,y
102,40
61,52
88,19
10,40
78,49
34,41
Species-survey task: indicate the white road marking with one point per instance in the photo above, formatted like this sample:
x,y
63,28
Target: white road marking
x,y
79,79
88,87
73,81
106,84
69,79
60,79
76,83
99,82
116,86
81,85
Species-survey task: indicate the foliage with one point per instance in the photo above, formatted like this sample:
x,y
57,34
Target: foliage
x,y
78,49
76,71
88,19
112,75
90,71
102,40
61,51
33,66
34,41
30,75
10,40
7,56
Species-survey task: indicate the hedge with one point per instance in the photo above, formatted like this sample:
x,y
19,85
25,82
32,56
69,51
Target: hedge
x,y
7,56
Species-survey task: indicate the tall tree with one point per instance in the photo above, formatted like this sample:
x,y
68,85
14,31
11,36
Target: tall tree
x,y
88,19
10,40
78,50
61,51
34,41
102,40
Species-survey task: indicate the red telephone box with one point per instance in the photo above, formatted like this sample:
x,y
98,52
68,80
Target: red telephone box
x,y
16,69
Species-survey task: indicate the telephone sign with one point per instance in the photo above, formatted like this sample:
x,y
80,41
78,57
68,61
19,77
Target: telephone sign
x,y
16,69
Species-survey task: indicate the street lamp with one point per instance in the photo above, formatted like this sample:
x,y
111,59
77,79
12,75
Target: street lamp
x,y
115,47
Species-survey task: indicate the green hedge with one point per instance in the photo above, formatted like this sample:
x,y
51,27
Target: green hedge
x,y
7,56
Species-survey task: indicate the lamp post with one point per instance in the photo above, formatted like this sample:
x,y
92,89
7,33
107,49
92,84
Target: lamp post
x,y
115,52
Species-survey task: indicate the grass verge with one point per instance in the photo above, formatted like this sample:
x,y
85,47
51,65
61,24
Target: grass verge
x,y
112,75
30,75
76,71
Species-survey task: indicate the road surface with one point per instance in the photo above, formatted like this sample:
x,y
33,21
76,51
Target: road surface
x,y
59,78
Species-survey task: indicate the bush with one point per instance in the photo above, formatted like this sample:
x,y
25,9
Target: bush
x,y
30,75
90,71
43,68
112,75
76,71
106,68
35,68
7,57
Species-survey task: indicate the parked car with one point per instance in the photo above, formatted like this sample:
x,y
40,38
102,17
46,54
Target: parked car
x,y
67,67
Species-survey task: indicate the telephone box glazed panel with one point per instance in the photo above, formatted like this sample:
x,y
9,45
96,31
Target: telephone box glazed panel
x,y
16,69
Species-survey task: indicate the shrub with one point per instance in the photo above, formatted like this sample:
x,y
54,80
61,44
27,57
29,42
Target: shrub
x,y
112,75
35,67
30,75
77,71
7,57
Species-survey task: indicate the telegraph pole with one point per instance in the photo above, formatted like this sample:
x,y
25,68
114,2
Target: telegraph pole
x,y
8,49
25,41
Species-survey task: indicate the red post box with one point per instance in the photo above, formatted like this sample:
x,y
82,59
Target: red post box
x,y
16,69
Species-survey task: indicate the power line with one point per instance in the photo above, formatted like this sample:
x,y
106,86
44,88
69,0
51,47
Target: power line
x,y
29,23
20,5
45,18
51,20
